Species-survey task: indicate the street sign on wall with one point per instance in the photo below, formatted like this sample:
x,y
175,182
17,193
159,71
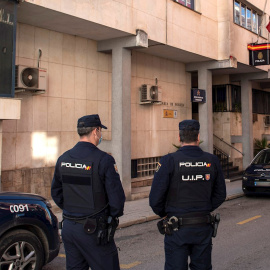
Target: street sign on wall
x,y
198,95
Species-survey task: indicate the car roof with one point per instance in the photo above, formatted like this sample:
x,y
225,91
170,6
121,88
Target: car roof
x,y
20,195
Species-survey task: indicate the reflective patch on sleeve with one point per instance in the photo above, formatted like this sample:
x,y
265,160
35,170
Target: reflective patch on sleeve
x,y
158,167
116,169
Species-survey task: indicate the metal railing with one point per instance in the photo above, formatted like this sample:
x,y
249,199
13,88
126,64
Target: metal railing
x,y
221,139
223,158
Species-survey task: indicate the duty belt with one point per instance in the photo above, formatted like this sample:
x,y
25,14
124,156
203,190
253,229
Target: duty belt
x,y
168,225
181,221
80,220
104,225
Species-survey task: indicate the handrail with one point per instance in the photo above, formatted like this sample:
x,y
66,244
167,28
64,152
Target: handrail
x,y
223,158
221,139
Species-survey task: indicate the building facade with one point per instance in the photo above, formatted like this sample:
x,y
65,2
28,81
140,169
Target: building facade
x,y
100,54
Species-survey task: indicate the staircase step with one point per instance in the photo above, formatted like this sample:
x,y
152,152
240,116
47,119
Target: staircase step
x,y
141,182
234,178
223,165
233,174
228,168
231,168
140,193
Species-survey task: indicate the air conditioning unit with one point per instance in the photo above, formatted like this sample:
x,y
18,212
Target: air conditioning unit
x,y
30,79
150,94
267,120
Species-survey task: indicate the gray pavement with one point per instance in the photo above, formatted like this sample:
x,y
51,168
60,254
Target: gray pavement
x,y
139,211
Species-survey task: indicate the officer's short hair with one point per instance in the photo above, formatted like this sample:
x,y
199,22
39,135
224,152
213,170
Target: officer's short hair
x,y
188,135
85,131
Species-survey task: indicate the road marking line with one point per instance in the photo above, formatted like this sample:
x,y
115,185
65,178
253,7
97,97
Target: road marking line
x,y
62,255
128,266
122,266
248,220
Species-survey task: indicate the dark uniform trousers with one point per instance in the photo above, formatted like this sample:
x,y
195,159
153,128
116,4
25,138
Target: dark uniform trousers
x,y
82,250
195,242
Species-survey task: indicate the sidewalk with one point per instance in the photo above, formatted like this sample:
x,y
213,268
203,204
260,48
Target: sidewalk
x,y
139,211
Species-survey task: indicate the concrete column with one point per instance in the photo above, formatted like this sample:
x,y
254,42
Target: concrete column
x,y
120,145
121,114
247,124
205,110
1,153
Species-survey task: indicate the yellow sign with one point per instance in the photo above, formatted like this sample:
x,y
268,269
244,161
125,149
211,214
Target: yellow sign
x,y
168,113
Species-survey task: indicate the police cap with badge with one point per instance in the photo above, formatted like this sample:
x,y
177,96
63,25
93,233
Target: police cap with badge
x,y
91,120
189,125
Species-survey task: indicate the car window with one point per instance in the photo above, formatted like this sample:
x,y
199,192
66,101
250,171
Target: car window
x,y
263,158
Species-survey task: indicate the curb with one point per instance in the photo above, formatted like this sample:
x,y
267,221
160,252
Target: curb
x,y
235,196
154,217
137,221
228,180
144,219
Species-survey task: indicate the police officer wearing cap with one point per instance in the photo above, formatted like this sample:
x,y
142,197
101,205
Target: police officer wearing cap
x,y
87,186
188,185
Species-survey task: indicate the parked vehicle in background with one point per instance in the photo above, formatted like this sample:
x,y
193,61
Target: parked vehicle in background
x,y
29,236
256,177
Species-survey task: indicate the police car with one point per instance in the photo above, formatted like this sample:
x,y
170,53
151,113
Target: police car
x,y
256,178
29,235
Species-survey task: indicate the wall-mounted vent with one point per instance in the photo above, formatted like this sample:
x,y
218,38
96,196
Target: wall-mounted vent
x,y
144,167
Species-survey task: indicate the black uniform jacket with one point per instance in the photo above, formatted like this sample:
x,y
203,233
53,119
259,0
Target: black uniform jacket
x,y
165,172
108,175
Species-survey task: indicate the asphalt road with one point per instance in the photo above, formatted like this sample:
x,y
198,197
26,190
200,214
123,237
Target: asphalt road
x,y
242,243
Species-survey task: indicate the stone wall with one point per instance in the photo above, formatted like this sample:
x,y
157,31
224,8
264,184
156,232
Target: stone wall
x,y
79,83
37,180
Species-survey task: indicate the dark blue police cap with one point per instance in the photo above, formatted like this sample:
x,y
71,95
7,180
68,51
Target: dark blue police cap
x,y
189,124
92,120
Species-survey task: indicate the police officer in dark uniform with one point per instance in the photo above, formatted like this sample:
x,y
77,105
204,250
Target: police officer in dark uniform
x,y
87,186
188,185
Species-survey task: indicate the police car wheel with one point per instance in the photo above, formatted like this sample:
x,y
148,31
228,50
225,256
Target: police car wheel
x,y
21,249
